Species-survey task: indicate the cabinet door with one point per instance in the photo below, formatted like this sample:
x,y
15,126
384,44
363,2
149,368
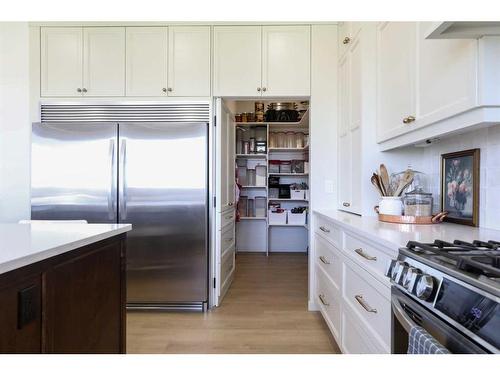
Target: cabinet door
x,y
84,295
446,76
104,61
345,173
344,96
189,61
237,60
395,78
61,61
146,61
286,58
355,120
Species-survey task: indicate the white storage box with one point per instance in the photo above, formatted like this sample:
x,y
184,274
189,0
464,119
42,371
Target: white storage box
x,y
297,194
277,217
297,219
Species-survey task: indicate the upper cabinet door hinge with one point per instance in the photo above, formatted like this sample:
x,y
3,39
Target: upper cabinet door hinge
x,y
215,201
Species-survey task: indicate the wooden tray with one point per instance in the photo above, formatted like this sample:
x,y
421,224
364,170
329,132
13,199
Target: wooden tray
x,y
436,219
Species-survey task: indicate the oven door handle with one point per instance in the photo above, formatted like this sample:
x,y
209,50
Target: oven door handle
x,y
401,316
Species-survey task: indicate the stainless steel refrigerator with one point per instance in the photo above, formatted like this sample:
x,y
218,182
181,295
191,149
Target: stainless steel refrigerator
x,y
152,175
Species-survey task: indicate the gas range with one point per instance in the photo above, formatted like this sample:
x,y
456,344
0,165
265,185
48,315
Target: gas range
x,y
458,282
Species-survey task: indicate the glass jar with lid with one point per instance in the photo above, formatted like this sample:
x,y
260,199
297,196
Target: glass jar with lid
x,y
299,140
420,182
417,203
290,139
281,138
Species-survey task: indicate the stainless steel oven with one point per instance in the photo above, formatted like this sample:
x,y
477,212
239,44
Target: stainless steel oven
x,y
407,313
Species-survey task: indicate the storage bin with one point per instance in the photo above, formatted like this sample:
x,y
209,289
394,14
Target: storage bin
x,y
306,194
260,206
251,177
260,175
274,166
242,206
277,218
285,166
297,219
251,208
242,176
274,192
297,194
297,166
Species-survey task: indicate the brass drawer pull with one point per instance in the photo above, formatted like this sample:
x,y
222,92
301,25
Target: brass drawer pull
x,y
229,217
346,204
362,302
324,260
326,230
322,299
408,119
346,40
364,255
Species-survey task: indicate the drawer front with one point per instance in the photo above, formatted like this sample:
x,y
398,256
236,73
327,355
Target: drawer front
x,y
328,230
373,307
371,258
355,340
227,237
328,258
329,301
227,218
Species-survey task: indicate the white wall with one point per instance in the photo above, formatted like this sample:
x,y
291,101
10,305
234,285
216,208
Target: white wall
x,y
14,122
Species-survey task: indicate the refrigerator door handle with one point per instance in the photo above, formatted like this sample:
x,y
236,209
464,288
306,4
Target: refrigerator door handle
x,y
121,175
112,188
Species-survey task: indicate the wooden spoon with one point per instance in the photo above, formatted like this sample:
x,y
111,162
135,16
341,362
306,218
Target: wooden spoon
x,y
375,182
384,177
404,182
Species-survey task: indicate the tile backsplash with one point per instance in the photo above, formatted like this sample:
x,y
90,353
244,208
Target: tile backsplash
x,y
488,140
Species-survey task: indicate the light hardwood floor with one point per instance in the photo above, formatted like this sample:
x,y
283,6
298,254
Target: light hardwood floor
x,y
264,311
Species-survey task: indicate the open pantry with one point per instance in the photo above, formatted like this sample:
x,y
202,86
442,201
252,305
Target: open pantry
x,y
271,175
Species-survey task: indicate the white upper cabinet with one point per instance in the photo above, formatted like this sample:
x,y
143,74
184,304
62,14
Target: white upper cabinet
x,y
286,58
146,61
446,72
396,106
104,61
262,61
189,61
61,61
237,60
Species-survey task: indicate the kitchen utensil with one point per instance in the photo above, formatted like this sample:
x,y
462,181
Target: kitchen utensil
x,y
404,182
420,181
374,181
384,177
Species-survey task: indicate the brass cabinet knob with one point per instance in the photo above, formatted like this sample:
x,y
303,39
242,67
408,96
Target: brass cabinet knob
x,y
84,90
346,204
170,89
258,89
78,90
408,119
346,40
264,89
164,89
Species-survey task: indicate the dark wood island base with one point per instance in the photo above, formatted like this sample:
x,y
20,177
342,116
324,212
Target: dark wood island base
x,y
71,303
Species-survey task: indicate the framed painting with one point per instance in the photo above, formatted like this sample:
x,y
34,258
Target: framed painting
x,y
460,186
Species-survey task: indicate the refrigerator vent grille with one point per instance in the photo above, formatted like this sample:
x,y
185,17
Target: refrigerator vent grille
x,y
138,112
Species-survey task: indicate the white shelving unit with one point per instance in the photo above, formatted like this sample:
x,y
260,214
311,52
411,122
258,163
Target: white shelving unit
x,y
255,233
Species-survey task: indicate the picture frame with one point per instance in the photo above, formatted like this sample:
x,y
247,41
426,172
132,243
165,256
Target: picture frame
x,y
460,186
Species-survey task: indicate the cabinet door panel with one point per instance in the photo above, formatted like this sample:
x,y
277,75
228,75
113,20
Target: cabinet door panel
x,y
146,61
286,57
61,61
86,290
237,60
446,76
395,77
344,96
104,61
189,61
344,147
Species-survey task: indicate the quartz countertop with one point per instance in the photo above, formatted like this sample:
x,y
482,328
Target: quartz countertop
x,y
24,244
394,236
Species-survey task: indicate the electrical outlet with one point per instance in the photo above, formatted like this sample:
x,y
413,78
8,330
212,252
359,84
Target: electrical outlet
x,y
329,187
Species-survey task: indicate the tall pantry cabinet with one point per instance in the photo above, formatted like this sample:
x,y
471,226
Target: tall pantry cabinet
x,y
350,117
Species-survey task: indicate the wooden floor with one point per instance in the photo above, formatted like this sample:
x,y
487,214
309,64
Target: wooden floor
x,y
264,311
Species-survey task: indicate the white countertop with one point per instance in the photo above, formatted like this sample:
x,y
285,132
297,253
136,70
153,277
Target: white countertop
x,y
394,236
24,244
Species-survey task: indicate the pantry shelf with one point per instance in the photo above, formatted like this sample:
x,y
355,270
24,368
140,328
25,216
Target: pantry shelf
x,y
253,187
252,218
251,156
288,225
284,149
290,174
288,200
